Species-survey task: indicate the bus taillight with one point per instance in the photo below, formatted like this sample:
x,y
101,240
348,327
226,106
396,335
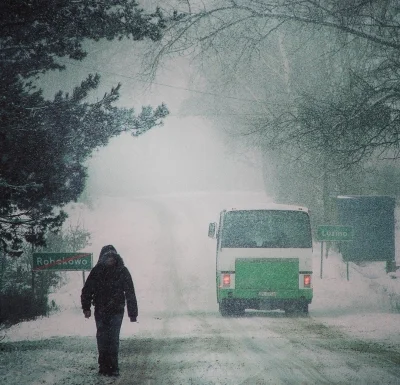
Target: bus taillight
x,y
226,280
307,280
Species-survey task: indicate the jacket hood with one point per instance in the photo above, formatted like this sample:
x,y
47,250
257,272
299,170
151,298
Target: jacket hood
x,y
106,251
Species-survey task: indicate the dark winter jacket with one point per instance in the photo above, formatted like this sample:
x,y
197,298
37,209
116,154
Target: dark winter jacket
x,y
109,287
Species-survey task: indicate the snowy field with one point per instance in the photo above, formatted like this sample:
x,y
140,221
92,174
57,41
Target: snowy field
x,y
366,306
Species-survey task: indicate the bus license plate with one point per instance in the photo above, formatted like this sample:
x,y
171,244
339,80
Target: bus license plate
x,y
267,293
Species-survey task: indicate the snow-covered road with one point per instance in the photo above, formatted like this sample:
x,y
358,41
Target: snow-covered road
x,y
350,337
204,348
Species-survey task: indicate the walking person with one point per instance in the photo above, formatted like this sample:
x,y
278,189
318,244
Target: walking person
x,y
109,287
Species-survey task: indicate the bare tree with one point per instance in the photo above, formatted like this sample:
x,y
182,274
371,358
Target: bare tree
x,y
314,83
356,94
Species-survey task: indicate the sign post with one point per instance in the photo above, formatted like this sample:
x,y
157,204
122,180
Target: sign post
x,y
334,233
61,262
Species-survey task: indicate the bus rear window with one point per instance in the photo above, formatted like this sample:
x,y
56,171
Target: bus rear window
x,y
266,229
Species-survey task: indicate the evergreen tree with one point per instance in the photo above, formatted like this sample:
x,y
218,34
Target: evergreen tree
x,y
44,143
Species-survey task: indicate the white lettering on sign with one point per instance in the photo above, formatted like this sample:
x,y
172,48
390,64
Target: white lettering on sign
x,y
81,261
41,262
334,233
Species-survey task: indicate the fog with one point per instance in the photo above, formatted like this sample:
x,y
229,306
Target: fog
x,y
227,83
186,154
189,152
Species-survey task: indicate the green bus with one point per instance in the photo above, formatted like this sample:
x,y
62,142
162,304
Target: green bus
x,y
263,259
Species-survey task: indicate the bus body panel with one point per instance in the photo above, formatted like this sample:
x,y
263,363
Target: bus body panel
x,y
267,274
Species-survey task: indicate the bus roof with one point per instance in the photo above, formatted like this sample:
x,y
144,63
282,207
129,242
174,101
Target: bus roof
x,y
268,206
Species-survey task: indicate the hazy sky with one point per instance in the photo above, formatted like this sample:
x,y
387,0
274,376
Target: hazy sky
x,y
188,153
184,155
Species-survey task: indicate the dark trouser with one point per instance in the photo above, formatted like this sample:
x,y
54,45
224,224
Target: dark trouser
x,y
108,329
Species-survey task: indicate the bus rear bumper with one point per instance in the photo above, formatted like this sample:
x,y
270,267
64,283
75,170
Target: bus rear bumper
x,y
244,299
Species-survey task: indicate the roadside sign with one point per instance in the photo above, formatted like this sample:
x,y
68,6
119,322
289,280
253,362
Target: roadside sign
x,y
374,220
62,261
334,233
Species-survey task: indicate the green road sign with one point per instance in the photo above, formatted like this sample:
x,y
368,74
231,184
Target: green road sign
x,y
334,233
62,261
